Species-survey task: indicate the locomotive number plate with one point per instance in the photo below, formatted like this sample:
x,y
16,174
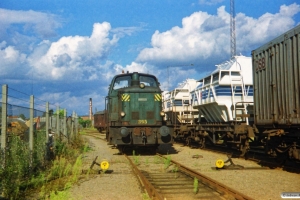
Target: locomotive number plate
x,y
142,99
142,121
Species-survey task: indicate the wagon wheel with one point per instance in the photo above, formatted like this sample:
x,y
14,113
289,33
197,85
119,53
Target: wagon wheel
x,y
188,142
202,143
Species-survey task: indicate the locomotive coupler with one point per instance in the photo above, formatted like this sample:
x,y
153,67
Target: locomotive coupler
x,y
144,138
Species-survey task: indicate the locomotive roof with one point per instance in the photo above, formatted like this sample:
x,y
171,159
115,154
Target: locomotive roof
x,y
126,74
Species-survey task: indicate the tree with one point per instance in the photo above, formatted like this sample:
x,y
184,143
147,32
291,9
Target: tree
x,y
61,113
22,116
84,123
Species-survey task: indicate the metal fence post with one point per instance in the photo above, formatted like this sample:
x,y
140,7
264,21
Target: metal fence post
x,y
4,118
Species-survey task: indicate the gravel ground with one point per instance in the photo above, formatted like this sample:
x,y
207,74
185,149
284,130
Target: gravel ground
x,y
122,184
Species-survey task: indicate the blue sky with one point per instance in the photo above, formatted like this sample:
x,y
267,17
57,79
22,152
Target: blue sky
x,y
67,51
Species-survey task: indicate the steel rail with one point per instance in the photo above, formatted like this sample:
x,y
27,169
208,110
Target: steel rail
x,y
209,181
152,192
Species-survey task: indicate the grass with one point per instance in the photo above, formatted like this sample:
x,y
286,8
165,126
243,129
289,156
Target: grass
x,y
20,176
157,160
196,185
136,159
145,196
167,161
175,170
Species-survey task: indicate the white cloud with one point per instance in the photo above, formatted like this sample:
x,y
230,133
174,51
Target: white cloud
x,y
201,36
253,32
43,24
205,37
135,67
75,57
13,62
122,31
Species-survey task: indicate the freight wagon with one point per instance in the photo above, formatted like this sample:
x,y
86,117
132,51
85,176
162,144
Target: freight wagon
x,y
276,78
100,121
251,103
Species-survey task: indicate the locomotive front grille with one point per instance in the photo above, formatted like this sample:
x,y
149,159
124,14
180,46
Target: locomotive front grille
x,y
135,115
150,115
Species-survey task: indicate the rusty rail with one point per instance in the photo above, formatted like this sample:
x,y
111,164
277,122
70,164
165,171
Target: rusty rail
x,y
152,192
209,181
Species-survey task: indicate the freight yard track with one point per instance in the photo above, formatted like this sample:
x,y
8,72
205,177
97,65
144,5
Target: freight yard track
x,y
265,161
182,183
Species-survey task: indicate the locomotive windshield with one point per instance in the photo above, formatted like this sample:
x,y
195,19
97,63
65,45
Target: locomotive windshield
x,y
126,81
148,81
122,82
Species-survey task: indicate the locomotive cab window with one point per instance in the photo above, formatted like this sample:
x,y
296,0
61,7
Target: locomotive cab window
x,y
122,82
148,81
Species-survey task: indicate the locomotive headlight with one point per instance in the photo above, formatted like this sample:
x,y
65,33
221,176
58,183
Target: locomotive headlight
x,y
162,113
122,114
142,85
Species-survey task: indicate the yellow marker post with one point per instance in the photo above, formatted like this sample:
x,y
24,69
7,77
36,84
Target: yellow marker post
x,y
104,165
219,163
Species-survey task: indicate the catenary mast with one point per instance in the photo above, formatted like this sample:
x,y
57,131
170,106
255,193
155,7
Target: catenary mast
x,y
232,29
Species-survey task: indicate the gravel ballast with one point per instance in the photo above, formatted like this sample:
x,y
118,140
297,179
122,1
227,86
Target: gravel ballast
x,y
122,183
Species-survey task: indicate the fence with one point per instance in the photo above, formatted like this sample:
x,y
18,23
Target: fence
x,y
30,123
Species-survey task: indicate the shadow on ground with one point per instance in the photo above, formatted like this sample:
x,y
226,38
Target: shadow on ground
x,y
163,149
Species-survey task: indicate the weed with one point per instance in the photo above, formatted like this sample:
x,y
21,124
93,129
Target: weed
x,y
82,133
136,159
196,184
58,195
18,172
147,161
175,170
167,161
17,165
157,160
145,196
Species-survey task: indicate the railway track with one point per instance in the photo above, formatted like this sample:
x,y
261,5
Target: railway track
x,y
261,159
258,157
94,134
181,183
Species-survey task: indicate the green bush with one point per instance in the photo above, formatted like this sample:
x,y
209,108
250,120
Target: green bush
x,y
21,169
16,167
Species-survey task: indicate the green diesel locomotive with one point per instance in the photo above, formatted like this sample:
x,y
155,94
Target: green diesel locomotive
x,y
134,112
